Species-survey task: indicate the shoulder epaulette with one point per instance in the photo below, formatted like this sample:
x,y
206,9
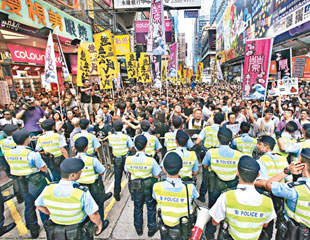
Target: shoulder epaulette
x,y
84,189
173,149
294,184
31,149
148,155
228,189
260,191
51,183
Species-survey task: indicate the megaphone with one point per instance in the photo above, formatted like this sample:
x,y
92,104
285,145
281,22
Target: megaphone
x,y
203,217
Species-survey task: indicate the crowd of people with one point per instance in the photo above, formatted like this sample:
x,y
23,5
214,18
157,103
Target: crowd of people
x,y
245,149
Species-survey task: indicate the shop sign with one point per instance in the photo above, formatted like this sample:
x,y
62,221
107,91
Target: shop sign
x,y
175,4
299,67
30,55
11,25
122,44
4,93
108,2
191,14
39,14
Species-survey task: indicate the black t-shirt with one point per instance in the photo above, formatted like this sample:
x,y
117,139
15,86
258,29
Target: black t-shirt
x,y
188,111
85,96
68,127
102,132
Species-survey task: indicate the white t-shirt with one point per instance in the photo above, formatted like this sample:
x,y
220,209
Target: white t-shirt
x,y
267,127
3,121
196,125
73,102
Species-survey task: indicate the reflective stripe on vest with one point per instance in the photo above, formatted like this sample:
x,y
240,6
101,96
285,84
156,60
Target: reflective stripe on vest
x,y
302,211
225,168
7,144
88,175
274,166
139,169
246,222
170,141
50,144
119,144
173,205
64,210
90,149
246,147
188,164
18,163
150,146
305,144
211,138
286,142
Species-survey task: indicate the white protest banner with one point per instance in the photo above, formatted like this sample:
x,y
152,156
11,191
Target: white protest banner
x,y
50,70
235,128
285,86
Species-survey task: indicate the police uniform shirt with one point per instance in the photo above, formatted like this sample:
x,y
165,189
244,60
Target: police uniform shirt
x,y
246,195
72,134
296,147
184,153
140,158
8,140
289,193
202,134
223,150
98,167
64,189
2,136
62,141
244,137
34,158
96,144
157,143
263,174
129,141
189,143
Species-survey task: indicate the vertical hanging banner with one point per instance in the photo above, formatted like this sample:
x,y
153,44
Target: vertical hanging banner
x,y
183,73
219,72
172,72
199,71
131,64
93,64
156,39
164,67
64,66
90,6
284,63
189,74
106,57
256,68
50,70
83,66
144,69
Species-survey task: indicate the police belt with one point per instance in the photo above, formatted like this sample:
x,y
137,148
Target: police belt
x,y
292,230
69,232
140,185
214,183
119,161
35,178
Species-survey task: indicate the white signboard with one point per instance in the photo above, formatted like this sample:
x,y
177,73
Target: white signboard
x,y
4,93
235,128
285,86
125,4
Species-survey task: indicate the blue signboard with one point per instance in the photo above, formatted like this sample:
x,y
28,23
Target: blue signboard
x,y
191,14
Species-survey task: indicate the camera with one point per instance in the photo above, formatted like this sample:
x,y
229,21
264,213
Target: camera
x,y
27,101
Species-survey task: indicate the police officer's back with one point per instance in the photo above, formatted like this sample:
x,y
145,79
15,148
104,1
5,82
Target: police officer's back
x,y
142,169
53,144
172,196
246,210
244,144
70,206
91,174
121,145
28,167
153,145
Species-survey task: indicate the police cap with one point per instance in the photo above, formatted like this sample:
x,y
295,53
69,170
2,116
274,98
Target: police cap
x,y
248,163
182,138
306,126
145,125
268,140
305,152
177,121
140,142
173,163
72,165
48,124
118,125
84,123
291,127
20,136
9,129
81,143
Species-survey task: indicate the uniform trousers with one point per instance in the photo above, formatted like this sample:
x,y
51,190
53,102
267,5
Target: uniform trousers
x,y
118,173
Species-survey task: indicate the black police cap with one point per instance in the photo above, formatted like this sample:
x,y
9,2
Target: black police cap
x,y
118,125
292,125
48,124
9,128
306,126
182,138
177,121
249,163
72,165
140,142
225,132
145,125
173,163
81,143
268,140
20,136
84,123
305,152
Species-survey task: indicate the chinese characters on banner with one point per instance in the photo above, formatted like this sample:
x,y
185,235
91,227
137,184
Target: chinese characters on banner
x,y
64,66
50,70
172,72
199,71
107,61
156,40
83,66
144,69
131,64
4,93
189,74
284,86
164,67
284,63
182,73
256,68
93,64
122,44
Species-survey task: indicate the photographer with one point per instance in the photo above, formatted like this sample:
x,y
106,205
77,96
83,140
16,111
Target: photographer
x,y
87,91
31,114
68,97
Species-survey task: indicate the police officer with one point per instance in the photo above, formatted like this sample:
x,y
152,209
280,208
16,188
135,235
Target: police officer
x,y
93,143
221,163
244,144
53,144
189,158
29,168
91,174
246,210
73,213
165,193
170,141
121,145
7,228
143,170
296,223
153,145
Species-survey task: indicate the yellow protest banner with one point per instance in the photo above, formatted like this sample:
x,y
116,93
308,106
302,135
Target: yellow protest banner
x,y
189,74
131,64
164,67
93,64
106,57
182,73
199,71
122,44
98,29
144,69
106,84
82,66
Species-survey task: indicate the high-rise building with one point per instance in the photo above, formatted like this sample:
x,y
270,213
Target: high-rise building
x,y
181,47
201,21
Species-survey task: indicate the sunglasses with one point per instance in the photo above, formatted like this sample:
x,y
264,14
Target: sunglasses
x,y
6,114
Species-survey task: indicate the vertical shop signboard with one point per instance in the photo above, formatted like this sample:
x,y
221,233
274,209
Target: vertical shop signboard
x,y
4,93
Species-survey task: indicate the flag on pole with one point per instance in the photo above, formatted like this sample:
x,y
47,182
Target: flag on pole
x,y
64,66
50,70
